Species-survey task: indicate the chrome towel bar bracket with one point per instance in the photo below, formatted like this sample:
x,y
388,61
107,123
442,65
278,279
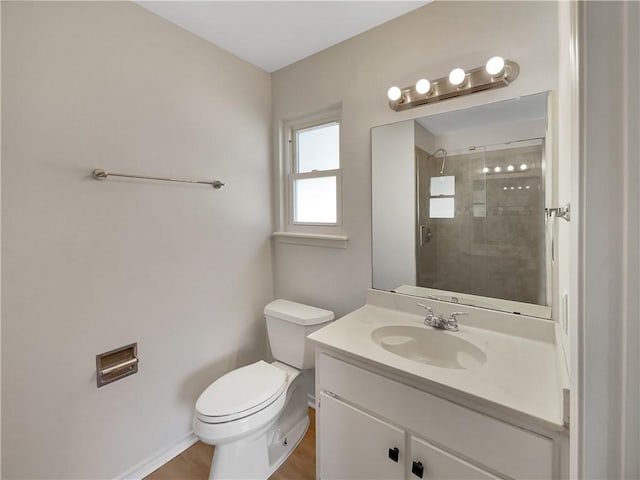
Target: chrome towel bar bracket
x,y
560,212
100,174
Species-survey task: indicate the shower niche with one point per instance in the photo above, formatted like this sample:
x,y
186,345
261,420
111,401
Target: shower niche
x,y
459,206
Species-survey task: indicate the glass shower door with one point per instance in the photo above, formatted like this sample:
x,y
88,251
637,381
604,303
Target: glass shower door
x,y
480,222
450,222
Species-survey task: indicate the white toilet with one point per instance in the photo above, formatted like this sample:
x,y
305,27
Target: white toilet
x,y
256,415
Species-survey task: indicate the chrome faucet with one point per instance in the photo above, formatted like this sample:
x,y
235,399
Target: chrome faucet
x,y
432,319
438,321
452,322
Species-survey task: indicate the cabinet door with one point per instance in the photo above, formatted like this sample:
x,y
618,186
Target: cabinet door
x,y
355,445
434,463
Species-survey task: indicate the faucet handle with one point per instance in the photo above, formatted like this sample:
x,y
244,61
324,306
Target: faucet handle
x,y
426,307
452,323
454,316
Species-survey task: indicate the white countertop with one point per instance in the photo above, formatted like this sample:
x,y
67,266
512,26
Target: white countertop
x,y
522,371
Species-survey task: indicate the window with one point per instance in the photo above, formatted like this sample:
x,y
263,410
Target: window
x,y
315,179
310,181
442,200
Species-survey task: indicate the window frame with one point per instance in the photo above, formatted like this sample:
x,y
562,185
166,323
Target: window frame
x,y
441,197
337,173
289,175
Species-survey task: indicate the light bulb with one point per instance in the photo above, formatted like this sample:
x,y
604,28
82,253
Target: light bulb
x,y
504,188
494,66
457,76
527,187
497,169
394,94
511,188
423,86
520,187
510,168
523,166
485,170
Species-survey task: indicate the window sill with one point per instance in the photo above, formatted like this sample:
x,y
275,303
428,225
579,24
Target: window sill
x,y
312,239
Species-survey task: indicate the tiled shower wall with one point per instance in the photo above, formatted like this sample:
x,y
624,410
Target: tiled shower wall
x,y
495,244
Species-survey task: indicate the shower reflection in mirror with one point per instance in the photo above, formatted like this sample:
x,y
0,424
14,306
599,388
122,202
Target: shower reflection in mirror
x,y
486,229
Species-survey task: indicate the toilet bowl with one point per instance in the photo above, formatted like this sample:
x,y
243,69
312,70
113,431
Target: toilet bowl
x,y
257,414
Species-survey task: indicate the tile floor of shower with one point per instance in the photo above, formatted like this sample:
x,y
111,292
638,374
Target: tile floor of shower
x,y
194,463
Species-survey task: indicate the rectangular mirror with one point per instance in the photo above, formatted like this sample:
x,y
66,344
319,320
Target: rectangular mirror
x,y
458,202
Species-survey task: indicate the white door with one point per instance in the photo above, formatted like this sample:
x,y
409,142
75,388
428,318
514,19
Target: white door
x,y
355,445
429,462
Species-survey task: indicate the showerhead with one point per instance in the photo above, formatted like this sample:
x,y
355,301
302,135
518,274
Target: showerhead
x,y
444,157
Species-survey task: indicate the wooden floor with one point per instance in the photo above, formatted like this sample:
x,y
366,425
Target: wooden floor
x,y
194,463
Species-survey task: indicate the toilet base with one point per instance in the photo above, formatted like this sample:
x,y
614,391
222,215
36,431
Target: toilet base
x,y
260,454
257,457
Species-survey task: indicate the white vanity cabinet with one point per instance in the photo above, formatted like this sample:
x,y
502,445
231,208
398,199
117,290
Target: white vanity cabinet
x,y
365,447
366,419
429,461
369,448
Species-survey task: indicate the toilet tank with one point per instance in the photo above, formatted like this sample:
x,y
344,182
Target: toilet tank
x,y
288,324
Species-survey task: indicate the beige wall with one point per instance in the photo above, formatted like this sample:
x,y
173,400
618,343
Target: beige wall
x,y
183,270
357,73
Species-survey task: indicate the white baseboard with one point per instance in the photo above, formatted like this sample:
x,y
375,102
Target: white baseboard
x,y
311,400
155,461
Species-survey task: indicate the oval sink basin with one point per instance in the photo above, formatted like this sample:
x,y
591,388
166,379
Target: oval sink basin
x,y
429,346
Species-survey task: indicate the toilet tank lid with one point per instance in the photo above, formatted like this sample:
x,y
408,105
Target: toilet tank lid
x,y
297,312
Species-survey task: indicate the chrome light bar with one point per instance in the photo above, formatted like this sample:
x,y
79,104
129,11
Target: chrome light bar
x,y
475,80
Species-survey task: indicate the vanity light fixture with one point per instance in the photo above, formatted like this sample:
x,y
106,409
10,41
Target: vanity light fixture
x,y
496,73
394,94
497,169
485,170
457,76
523,167
494,66
423,86
510,168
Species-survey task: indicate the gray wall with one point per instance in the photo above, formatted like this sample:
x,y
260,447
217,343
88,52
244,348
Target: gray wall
x,y
88,266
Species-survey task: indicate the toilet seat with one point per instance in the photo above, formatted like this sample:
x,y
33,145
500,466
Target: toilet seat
x,y
241,392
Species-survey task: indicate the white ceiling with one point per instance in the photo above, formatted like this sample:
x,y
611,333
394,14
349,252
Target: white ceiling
x,y
272,35
507,112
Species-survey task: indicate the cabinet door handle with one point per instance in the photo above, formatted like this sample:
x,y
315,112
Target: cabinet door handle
x,y
417,469
394,454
